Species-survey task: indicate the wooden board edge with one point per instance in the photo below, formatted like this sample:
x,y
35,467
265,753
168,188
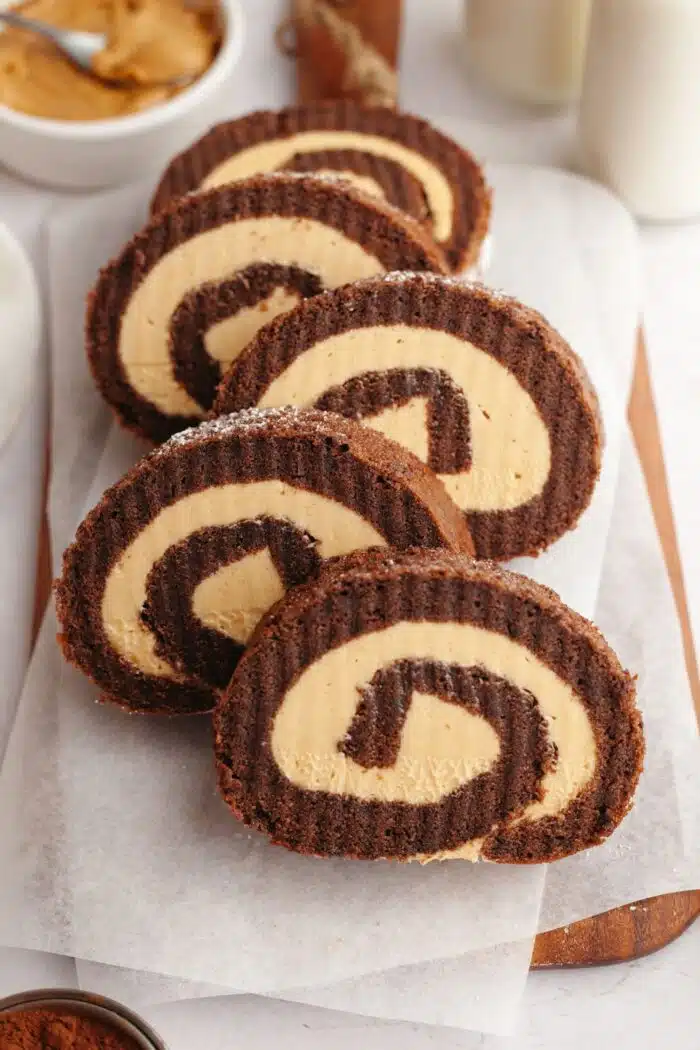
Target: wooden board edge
x,y
620,935
644,424
647,926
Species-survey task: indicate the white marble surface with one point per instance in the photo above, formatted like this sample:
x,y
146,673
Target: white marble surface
x,y
644,1004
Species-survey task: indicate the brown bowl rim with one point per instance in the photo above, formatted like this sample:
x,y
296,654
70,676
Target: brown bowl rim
x,y
121,1017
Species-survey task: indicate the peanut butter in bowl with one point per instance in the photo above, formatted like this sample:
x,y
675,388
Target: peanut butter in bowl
x,y
155,50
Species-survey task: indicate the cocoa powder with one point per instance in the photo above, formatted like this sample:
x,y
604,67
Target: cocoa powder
x,y
44,1029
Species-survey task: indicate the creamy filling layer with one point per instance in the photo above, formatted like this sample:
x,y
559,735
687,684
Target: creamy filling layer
x,y
277,153
511,450
217,254
225,339
406,424
440,750
234,598
337,528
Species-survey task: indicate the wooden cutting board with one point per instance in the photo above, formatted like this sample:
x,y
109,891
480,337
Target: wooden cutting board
x,y
349,48
636,930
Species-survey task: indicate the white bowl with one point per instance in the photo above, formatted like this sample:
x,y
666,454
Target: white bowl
x,y
20,330
84,155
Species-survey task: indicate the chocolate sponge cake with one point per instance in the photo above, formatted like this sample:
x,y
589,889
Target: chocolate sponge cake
x,y
341,136
422,705
183,298
479,386
376,175
170,572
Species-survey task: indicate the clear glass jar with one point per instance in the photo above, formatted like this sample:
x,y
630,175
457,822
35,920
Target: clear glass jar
x,y
528,50
639,124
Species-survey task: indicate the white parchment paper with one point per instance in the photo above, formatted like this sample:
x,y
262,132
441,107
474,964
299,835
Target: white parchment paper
x,y
457,993
110,819
657,848
119,850
636,610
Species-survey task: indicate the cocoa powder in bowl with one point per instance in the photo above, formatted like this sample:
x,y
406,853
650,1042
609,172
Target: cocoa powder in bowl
x,y
67,1020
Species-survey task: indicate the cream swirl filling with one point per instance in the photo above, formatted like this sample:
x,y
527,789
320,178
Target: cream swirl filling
x,y
442,747
337,528
235,597
511,449
217,254
225,339
267,156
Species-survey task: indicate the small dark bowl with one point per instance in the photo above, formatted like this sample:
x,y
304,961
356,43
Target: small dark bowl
x,y
83,1004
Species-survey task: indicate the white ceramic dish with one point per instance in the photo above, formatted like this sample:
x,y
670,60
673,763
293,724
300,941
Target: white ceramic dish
x,y
20,330
83,155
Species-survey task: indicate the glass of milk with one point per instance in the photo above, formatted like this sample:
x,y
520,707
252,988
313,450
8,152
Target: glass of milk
x,y
528,50
639,123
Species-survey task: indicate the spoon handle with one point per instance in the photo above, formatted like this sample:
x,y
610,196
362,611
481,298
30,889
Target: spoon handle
x,y
77,46
21,22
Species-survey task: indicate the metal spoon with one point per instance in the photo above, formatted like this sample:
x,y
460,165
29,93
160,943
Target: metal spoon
x,y
78,47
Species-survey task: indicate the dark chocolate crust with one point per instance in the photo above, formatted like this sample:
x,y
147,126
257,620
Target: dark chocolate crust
x,y
315,451
449,438
471,195
516,336
395,239
184,641
367,592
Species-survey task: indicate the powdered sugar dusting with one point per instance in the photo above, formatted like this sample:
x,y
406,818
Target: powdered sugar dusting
x,y
319,176
248,419
281,176
291,176
252,420
452,281
345,186
327,177
424,276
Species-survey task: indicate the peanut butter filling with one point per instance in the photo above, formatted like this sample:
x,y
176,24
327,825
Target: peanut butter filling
x,y
234,598
217,254
442,746
268,156
249,583
225,340
511,451
405,424
150,43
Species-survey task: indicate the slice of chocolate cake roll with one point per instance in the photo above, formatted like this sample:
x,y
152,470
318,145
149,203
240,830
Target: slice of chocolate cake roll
x,y
183,298
477,385
171,571
420,705
392,149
